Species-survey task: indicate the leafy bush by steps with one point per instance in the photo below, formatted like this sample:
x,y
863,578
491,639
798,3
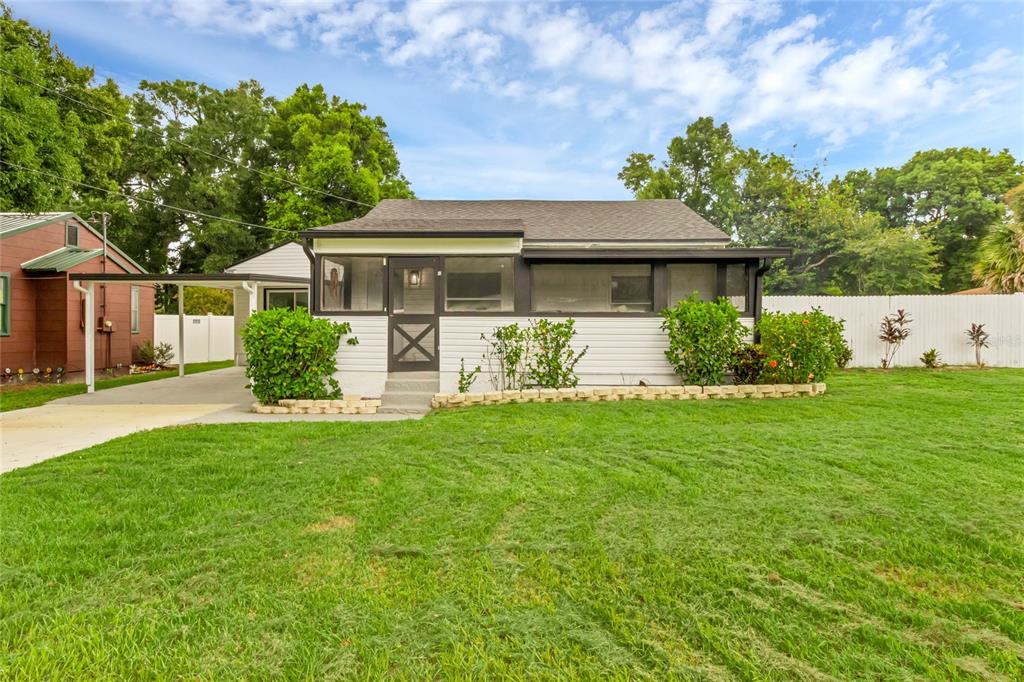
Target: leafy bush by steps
x,y
292,354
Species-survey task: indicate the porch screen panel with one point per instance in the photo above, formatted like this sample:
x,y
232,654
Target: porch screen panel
x,y
736,285
604,288
351,283
686,278
480,284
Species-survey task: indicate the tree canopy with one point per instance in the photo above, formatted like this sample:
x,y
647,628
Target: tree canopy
x,y
244,159
914,229
1000,266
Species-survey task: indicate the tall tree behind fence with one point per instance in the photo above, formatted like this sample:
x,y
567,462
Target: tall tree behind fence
x,y
940,322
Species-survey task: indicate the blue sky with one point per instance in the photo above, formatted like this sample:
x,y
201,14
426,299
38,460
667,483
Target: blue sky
x,y
546,100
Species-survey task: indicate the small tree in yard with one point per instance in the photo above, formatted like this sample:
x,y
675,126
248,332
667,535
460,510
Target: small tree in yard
x,y
553,361
292,354
703,337
978,338
894,331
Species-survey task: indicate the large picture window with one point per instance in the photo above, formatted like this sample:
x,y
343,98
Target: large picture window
x,y
686,278
605,288
479,284
351,283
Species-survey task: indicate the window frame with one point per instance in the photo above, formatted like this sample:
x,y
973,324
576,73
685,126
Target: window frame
x,y
68,227
135,310
279,290
657,285
517,286
5,305
316,286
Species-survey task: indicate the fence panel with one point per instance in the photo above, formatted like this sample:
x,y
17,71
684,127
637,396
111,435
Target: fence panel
x,y
208,338
939,322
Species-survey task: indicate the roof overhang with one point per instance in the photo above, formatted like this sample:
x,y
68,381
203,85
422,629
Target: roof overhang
x,y
321,233
214,280
705,254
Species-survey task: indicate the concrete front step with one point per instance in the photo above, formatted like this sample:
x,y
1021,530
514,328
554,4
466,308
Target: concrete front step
x,y
409,392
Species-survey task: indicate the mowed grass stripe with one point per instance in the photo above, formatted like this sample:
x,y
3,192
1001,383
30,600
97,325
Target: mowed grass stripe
x,y
875,531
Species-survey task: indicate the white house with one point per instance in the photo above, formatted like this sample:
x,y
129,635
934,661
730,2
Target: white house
x,y
420,281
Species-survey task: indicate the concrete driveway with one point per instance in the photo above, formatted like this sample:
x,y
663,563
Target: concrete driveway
x,y
69,424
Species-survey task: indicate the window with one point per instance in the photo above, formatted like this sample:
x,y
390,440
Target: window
x,y
606,288
736,285
136,313
686,278
5,304
285,298
480,284
70,234
351,283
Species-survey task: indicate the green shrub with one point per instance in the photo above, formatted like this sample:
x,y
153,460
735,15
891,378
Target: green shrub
x,y
291,354
930,358
508,348
703,336
553,361
158,355
748,364
800,347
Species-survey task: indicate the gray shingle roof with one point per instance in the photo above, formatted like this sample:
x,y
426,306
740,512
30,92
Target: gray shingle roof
x,y
652,220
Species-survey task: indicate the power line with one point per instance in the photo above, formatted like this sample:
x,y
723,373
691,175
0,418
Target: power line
x,y
184,144
130,197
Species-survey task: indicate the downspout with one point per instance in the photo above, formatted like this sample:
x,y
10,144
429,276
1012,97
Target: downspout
x,y
758,295
312,300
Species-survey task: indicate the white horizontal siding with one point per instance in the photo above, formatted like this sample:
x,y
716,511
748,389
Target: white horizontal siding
x,y
363,368
287,260
938,322
620,350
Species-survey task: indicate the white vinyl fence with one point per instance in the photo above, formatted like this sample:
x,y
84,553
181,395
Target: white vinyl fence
x,y
938,322
207,337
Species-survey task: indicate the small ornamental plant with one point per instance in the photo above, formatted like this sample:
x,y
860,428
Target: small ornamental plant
x,y
703,338
292,354
894,331
466,378
931,359
800,348
977,338
748,364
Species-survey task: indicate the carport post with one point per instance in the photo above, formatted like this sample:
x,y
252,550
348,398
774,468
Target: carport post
x,y
89,324
181,330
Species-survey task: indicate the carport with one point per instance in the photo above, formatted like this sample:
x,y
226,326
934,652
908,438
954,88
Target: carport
x,y
244,286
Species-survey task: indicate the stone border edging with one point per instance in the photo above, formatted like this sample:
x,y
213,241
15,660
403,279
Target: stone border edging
x,y
343,406
616,393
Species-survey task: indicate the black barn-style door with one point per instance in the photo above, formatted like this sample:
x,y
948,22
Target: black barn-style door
x,y
414,290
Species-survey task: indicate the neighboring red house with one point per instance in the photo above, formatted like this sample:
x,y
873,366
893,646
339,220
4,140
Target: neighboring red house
x,y
40,310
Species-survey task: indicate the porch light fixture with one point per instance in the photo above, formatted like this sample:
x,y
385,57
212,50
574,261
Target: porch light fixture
x,y
415,278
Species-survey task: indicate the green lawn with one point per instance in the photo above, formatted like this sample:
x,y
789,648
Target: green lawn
x,y
34,396
876,532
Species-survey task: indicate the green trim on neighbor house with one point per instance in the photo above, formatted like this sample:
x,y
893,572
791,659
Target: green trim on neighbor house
x,y
47,219
5,304
61,260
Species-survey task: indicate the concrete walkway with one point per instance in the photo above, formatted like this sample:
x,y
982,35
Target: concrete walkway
x,y
69,424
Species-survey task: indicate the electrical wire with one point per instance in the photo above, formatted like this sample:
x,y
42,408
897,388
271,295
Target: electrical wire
x,y
185,144
156,204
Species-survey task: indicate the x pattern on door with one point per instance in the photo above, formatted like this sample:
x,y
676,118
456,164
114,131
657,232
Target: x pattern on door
x,y
414,342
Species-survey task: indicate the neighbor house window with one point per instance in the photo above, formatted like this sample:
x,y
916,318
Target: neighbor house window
x,y
736,285
686,278
71,234
286,298
351,283
479,284
605,288
136,313
5,304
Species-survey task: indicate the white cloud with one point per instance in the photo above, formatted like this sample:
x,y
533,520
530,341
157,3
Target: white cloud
x,y
734,59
